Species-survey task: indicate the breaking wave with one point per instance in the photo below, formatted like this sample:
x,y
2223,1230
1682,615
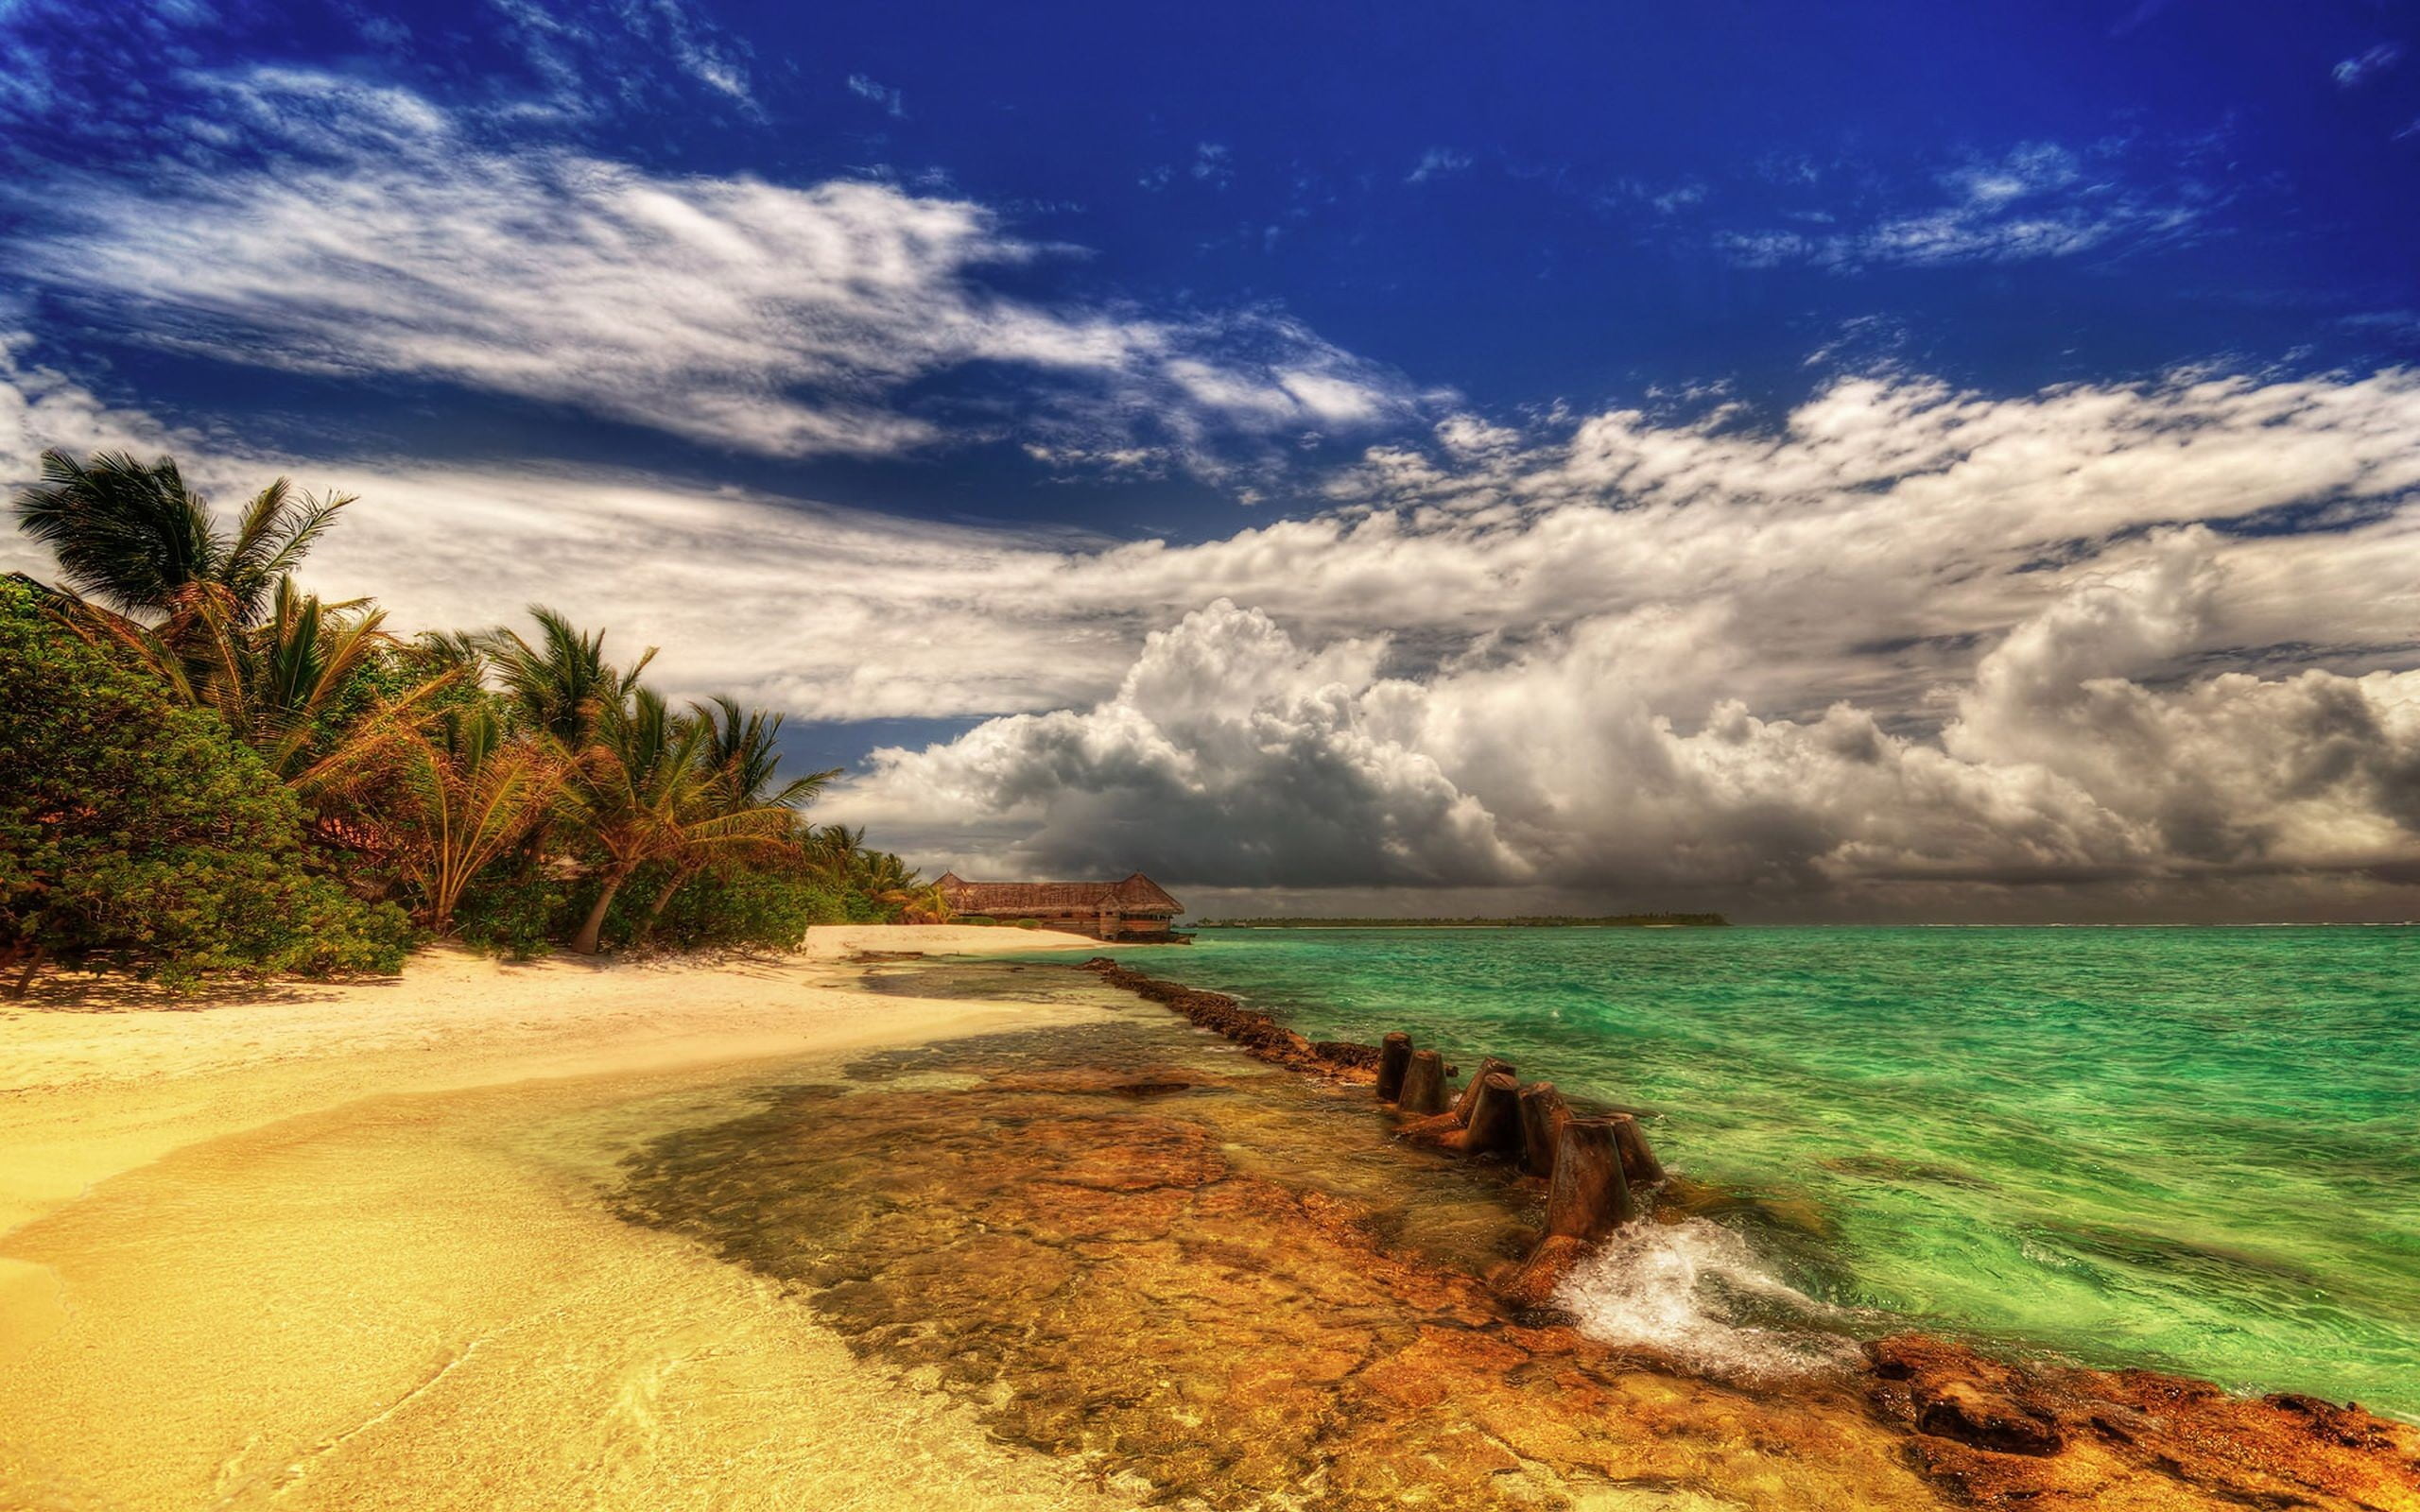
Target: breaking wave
x,y
1694,1292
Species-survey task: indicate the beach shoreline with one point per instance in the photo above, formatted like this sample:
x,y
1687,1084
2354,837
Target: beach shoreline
x,y
432,1242
196,1198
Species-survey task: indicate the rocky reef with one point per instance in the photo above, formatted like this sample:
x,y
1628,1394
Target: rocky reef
x,y
1223,1282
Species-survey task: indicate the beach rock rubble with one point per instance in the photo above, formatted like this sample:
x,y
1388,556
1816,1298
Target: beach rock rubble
x,y
1978,1432
2000,1432
1593,1166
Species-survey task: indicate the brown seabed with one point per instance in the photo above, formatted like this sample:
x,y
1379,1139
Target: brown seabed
x,y
1233,1286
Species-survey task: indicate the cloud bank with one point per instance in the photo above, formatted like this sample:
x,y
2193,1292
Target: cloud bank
x,y
1905,651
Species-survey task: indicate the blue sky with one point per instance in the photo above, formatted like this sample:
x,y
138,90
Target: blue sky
x,y
962,370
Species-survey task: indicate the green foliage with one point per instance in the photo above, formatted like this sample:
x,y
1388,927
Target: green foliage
x,y
136,830
134,535
202,758
514,914
747,908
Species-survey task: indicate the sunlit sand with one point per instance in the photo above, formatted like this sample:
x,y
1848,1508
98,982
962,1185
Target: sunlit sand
x,y
335,1247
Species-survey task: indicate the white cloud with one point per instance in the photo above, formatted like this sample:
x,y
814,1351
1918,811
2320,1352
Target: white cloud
x,y
1232,757
2354,71
1214,164
893,103
2038,201
1437,163
1897,650
585,48
386,238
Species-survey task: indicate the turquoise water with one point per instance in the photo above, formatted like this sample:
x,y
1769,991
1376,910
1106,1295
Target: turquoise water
x,y
2187,1148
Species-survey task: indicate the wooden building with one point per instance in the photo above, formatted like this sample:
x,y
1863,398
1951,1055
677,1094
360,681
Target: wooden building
x,y
1135,908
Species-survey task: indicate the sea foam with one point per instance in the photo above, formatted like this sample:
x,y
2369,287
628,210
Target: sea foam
x,y
1695,1293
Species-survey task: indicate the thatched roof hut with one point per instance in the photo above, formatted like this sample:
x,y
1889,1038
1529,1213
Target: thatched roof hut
x,y
1134,908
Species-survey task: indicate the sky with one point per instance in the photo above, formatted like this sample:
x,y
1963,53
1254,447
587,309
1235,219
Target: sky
x,y
1892,462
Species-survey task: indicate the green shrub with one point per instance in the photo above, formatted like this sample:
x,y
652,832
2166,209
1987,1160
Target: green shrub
x,y
758,910
137,832
512,913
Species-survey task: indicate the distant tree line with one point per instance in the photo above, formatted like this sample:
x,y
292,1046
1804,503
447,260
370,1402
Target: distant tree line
x,y
1515,922
205,769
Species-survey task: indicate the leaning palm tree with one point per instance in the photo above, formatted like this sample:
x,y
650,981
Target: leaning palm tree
x,y
133,535
639,793
278,684
739,760
457,794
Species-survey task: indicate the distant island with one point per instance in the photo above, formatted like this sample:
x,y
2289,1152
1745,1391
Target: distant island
x,y
1517,922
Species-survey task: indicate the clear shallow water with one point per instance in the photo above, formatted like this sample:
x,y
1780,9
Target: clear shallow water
x,y
2193,1148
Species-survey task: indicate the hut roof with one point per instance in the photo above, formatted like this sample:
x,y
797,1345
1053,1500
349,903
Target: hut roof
x,y
1135,894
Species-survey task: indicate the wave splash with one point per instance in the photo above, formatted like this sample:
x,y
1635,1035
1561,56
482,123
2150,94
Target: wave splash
x,y
1694,1293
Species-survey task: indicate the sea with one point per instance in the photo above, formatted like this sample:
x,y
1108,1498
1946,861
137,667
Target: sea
x,y
2195,1149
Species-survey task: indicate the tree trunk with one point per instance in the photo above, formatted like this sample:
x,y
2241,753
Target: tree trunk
x,y
585,942
1394,1058
33,957
655,909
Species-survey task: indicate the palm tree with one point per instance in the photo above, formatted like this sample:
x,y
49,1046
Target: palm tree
x,y
458,796
278,684
563,684
133,535
839,854
639,793
738,760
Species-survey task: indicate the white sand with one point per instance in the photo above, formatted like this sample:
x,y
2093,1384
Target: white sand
x,y
341,1246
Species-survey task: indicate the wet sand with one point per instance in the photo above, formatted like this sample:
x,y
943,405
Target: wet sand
x,y
342,1246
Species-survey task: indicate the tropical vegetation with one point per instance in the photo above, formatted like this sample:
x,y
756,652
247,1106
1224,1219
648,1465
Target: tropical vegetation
x,y
210,769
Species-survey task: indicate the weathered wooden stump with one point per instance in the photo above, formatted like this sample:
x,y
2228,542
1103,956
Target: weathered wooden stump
x,y
1487,1068
1639,1161
1495,1126
1394,1058
1543,1112
1423,1083
1587,1199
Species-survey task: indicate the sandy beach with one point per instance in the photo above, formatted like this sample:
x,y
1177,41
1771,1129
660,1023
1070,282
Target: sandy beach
x,y
324,1245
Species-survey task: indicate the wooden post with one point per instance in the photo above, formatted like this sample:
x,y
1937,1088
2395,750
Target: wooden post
x,y
1587,1199
1495,1126
1639,1161
1543,1112
1394,1058
1469,1099
1423,1083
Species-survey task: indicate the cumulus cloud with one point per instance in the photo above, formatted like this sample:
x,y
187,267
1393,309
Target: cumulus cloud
x,y
385,236
1233,756
1897,649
